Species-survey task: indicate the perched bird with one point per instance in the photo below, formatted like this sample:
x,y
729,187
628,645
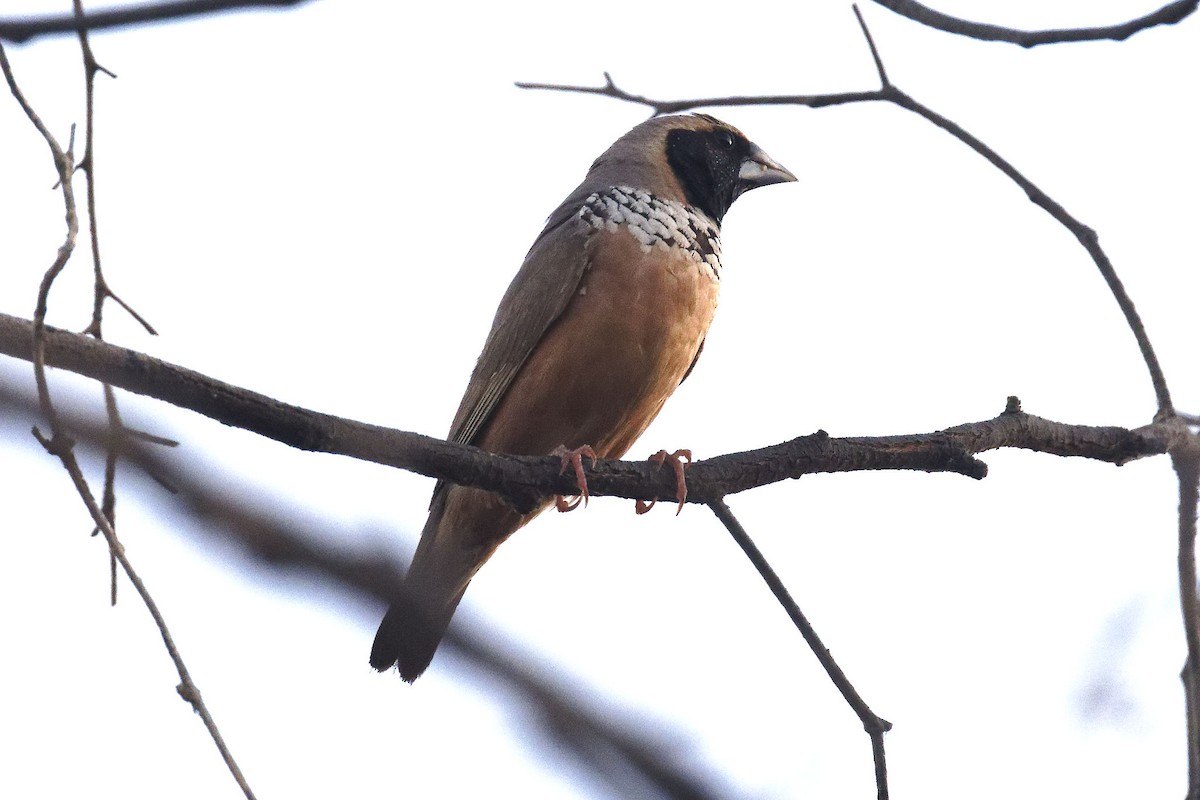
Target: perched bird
x,y
605,318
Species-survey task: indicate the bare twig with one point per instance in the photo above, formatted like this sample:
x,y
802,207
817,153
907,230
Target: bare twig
x,y
1187,468
1190,688
62,447
64,166
875,725
676,106
1167,15
90,67
59,444
22,30
108,504
101,290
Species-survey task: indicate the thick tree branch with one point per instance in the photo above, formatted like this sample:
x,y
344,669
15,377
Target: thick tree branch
x,y
23,30
1167,15
524,480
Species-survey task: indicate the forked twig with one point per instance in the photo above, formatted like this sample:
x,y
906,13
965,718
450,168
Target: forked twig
x,y
101,290
59,444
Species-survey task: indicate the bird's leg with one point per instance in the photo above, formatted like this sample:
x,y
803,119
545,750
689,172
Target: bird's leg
x,y
659,458
573,458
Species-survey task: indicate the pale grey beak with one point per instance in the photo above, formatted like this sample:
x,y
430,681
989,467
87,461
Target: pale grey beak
x,y
759,169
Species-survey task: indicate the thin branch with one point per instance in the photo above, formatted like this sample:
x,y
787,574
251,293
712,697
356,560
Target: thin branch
x,y
87,164
22,30
64,166
116,298
1191,702
108,504
866,32
890,93
1086,236
101,290
59,444
90,67
1167,15
1187,468
62,447
678,106
525,480
875,725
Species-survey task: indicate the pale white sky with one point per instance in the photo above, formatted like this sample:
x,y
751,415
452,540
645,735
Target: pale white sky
x,y
325,205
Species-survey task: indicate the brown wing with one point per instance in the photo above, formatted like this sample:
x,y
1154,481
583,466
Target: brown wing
x,y
699,350
537,296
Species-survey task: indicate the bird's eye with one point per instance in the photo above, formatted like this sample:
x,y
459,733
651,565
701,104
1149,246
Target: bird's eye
x,y
725,139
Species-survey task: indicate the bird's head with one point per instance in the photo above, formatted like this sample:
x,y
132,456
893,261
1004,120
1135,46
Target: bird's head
x,y
693,158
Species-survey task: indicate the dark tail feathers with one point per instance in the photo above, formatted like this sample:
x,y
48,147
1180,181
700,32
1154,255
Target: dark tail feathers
x,y
409,636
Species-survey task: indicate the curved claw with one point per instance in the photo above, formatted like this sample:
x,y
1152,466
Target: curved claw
x,y
574,458
564,505
659,458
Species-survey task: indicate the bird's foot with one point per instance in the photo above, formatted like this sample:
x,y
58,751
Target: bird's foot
x,y
574,458
677,464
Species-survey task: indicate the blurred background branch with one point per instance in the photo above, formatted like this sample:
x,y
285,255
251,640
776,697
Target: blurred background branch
x,y
630,757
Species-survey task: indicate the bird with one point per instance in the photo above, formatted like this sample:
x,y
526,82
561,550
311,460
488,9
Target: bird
x,y
604,320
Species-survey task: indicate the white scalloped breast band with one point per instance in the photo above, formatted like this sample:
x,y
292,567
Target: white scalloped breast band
x,y
655,222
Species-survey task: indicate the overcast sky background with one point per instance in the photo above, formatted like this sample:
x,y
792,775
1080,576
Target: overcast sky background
x,y
326,204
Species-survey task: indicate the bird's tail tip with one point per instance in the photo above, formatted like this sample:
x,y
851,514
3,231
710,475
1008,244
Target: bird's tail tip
x,y
407,639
